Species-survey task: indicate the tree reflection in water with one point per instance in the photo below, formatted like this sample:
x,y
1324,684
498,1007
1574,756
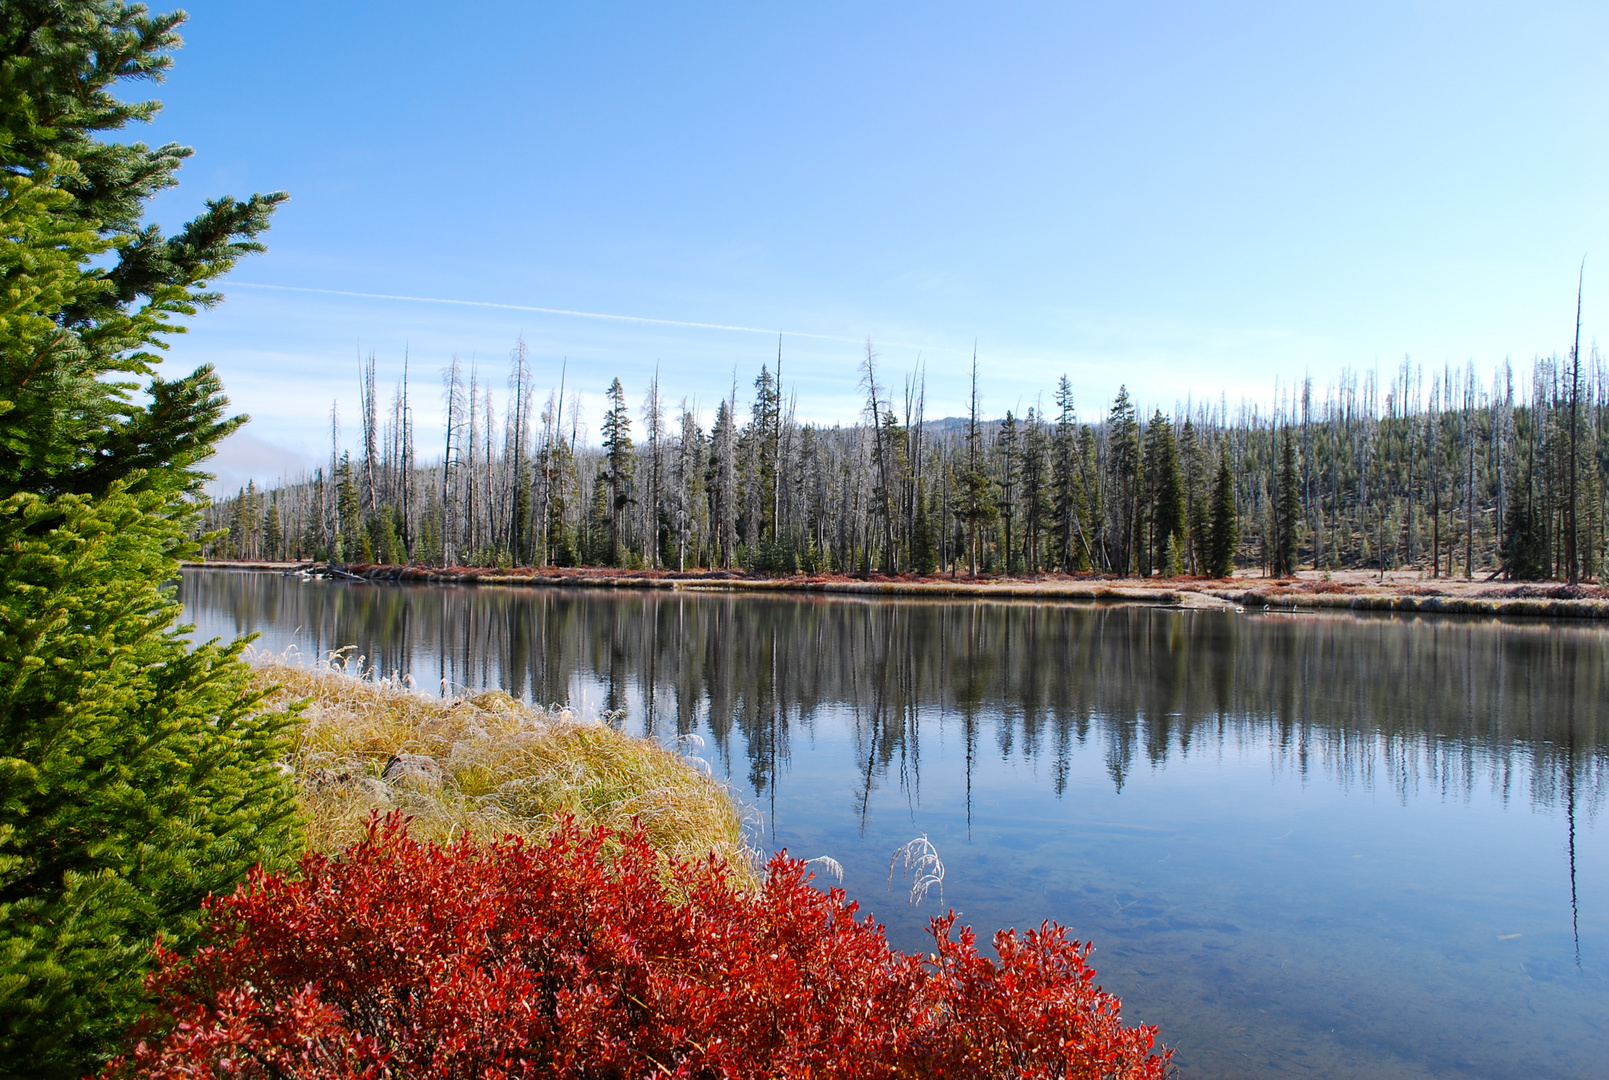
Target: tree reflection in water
x,y
1404,703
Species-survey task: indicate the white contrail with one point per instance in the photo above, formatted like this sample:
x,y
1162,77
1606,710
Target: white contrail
x,y
543,310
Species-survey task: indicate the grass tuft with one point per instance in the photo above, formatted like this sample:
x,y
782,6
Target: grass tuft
x,y
486,764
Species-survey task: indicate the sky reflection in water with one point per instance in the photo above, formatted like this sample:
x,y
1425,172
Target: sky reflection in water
x,y
1316,845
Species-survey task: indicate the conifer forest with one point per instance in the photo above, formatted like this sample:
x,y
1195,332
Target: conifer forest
x,y
1439,470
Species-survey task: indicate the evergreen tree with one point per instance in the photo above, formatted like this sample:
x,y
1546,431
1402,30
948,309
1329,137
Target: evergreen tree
x,y
1036,491
722,483
1166,492
91,290
273,535
239,525
1065,479
924,544
1090,554
1224,527
599,521
1524,551
1195,497
621,465
1123,481
351,538
1171,556
1010,467
136,774
381,540
764,431
1287,508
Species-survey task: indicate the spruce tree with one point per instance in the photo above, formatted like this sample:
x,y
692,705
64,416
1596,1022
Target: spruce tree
x,y
136,775
1066,503
1172,565
1036,503
1223,535
1523,552
1009,447
91,289
924,545
1166,492
239,525
1123,464
599,521
621,464
380,538
1195,483
765,429
1287,508
350,534
273,535
1088,511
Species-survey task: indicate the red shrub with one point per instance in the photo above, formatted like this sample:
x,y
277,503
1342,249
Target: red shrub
x,y
408,960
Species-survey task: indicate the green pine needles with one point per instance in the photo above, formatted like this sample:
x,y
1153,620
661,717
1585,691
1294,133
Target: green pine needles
x,y
1223,533
136,775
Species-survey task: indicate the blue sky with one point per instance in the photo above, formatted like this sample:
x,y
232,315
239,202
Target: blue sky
x,y
1192,199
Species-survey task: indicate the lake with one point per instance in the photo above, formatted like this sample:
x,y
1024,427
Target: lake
x,y
1315,844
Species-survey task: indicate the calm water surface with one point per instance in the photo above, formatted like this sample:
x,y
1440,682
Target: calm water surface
x,y
1302,845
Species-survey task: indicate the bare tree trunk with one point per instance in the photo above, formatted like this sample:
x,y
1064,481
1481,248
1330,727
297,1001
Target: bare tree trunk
x,y
369,433
1571,562
454,397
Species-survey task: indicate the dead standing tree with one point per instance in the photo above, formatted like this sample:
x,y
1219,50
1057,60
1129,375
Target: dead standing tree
x,y
1572,564
452,460
881,452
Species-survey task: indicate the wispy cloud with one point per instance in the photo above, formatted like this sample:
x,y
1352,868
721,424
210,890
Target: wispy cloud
x,y
543,310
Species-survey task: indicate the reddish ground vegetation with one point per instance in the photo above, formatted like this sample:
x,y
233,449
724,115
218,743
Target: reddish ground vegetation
x,y
1320,587
1547,591
584,956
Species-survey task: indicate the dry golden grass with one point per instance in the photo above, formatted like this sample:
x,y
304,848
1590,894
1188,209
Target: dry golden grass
x,y
487,763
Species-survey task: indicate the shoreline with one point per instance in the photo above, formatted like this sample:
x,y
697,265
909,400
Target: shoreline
x,y
1401,592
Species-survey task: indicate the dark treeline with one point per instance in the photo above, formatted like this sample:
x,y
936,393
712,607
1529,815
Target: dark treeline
x,y
1438,470
1417,707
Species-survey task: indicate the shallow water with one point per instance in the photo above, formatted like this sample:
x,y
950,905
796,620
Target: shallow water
x,y
1302,845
